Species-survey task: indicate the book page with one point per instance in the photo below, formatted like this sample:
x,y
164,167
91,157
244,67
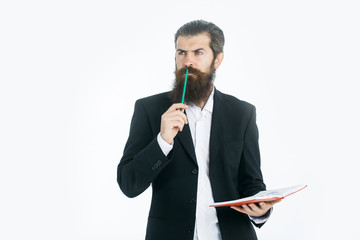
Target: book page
x,y
267,195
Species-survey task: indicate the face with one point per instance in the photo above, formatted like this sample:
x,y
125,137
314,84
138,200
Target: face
x,y
194,53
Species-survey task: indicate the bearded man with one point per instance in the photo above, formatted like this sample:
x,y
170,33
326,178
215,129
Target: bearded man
x,y
193,154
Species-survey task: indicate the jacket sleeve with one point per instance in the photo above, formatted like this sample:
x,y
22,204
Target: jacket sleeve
x,y
250,176
251,180
143,158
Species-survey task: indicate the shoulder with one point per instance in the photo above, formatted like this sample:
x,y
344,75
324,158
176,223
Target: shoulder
x,y
156,99
235,102
154,104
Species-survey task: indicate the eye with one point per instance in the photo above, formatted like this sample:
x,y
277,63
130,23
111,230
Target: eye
x,y
181,53
199,52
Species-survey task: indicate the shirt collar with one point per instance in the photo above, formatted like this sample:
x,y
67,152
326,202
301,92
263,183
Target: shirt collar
x,y
208,105
210,102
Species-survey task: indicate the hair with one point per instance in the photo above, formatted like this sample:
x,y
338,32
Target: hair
x,y
217,39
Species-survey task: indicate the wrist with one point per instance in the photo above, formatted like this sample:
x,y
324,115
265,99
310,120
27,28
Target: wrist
x,y
167,140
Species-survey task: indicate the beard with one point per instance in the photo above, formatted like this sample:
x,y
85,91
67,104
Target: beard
x,y
198,87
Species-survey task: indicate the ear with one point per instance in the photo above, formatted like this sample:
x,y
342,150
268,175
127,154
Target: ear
x,y
218,60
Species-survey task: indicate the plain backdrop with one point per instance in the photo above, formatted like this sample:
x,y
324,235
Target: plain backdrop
x,y
71,71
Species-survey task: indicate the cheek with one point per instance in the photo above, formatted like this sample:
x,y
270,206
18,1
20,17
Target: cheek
x,y
205,68
206,65
178,63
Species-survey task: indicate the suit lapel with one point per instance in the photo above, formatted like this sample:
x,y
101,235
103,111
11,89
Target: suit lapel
x,y
216,132
184,137
187,142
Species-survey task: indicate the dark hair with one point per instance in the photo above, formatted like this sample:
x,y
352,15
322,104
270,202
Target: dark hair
x,y
217,39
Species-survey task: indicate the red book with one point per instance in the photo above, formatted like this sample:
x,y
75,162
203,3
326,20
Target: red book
x,y
262,196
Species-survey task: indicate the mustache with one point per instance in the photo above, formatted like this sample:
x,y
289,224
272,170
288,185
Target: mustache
x,y
182,72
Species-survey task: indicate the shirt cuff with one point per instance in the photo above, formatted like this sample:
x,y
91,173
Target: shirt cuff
x,y
165,147
262,219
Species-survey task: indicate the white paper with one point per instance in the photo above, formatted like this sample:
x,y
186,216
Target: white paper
x,y
275,193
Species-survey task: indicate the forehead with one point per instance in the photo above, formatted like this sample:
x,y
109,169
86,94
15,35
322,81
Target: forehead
x,y
193,42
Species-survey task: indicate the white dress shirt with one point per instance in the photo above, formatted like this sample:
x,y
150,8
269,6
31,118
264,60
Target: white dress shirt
x,y
206,222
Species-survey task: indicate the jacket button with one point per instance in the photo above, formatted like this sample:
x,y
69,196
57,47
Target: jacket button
x,y
192,201
194,171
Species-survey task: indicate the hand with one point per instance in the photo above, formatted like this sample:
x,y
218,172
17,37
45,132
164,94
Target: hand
x,y
172,121
255,210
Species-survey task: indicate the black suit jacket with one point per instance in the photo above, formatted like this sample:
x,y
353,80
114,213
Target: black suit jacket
x,y
234,167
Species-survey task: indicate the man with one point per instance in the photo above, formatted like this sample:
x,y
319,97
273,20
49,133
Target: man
x,y
196,153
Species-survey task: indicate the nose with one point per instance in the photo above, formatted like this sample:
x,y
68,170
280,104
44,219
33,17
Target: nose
x,y
188,61
188,65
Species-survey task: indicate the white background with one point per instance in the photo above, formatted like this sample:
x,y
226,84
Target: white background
x,y
71,71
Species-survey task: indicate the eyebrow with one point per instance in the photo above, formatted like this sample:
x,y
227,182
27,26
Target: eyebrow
x,y
180,50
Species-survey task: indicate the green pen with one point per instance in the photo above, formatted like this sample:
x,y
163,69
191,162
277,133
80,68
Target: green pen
x,y
183,96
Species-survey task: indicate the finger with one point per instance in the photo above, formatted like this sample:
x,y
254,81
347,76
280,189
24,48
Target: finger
x,y
184,117
239,209
177,114
247,209
177,106
177,124
182,114
254,207
256,210
260,209
263,204
176,117
264,208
